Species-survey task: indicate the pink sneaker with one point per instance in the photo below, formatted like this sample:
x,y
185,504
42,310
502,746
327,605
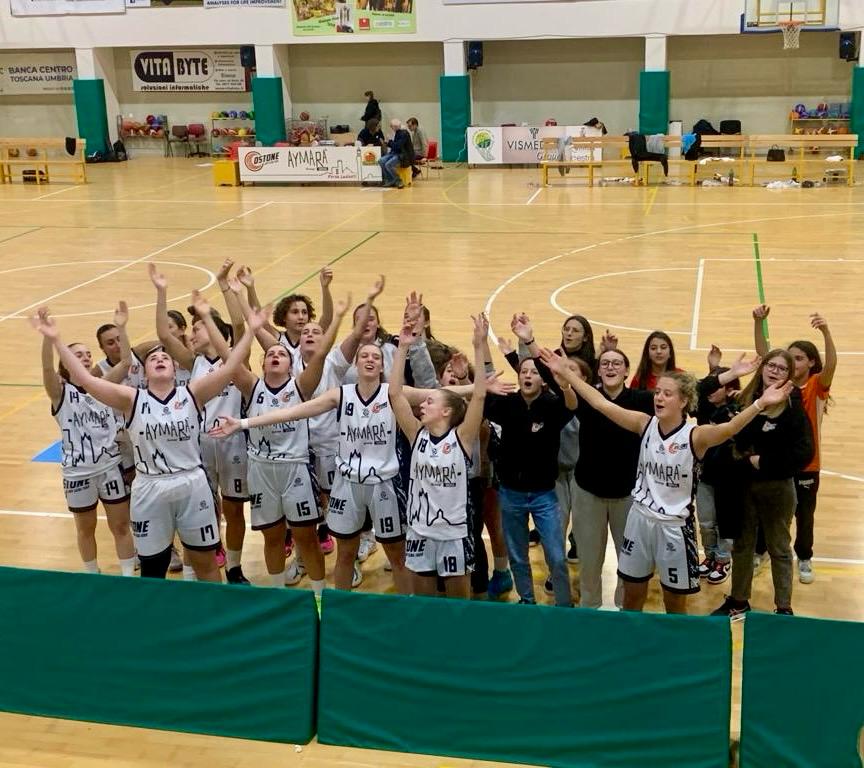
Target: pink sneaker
x,y
220,557
327,545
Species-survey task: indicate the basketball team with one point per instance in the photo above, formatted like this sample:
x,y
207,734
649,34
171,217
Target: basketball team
x,y
406,442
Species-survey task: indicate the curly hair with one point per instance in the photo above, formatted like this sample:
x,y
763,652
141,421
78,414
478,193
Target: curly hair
x,y
280,312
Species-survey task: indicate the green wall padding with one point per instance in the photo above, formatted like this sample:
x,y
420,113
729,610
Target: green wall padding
x,y
269,110
455,93
92,114
856,123
803,693
524,684
202,658
653,102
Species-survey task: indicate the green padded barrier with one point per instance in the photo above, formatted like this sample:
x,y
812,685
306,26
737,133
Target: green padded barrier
x,y
269,110
202,658
653,102
856,124
455,93
524,684
92,114
803,693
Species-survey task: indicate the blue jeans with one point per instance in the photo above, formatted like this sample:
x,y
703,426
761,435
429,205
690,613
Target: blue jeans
x,y
388,164
543,508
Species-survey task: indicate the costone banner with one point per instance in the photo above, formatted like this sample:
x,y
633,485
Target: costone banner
x,y
188,70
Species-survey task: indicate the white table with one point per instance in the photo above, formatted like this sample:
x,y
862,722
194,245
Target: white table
x,y
309,165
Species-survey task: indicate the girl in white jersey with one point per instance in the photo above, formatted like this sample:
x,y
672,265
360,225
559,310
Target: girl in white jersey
x,y
170,491
439,541
659,532
280,482
91,455
224,462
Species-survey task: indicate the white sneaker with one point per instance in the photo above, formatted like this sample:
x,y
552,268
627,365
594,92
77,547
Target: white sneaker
x,y
805,572
357,578
388,566
138,564
176,561
294,573
367,547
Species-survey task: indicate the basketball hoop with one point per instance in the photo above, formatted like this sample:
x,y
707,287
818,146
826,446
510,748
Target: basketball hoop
x,y
791,33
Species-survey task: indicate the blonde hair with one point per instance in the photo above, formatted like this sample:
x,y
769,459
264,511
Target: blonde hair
x,y
687,388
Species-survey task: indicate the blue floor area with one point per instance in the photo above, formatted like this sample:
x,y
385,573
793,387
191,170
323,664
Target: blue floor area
x,y
51,454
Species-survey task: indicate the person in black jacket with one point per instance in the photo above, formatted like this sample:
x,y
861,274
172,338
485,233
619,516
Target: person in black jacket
x,y
527,467
372,135
397,147
373,109
773,447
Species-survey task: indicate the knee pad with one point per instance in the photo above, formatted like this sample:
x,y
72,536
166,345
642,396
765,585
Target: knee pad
x,y
156,566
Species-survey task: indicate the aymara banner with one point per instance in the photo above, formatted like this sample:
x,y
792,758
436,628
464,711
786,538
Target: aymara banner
x,y
364,17
65,7
187,70
30,72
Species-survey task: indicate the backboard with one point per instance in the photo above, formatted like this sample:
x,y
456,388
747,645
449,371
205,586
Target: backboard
x,y
766,15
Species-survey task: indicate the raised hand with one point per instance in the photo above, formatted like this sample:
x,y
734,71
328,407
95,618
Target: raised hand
x,y
761,312
498,387
325,276
45,324
459,366
555,363
157,278
481,329
744,367
504,346
340,308
714,357
377,288
200,304
258,317
521,326
819,323
244,275
776,394
222,274
225,426
234,285
414,313
121,314
608,341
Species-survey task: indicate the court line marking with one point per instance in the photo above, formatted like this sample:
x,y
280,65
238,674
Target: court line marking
x,y
652,196
56,192
244,215
697,304
532,198
20,234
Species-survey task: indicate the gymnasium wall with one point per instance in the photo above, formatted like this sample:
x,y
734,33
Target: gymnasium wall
x,y
330,81
37,115
752,79
569,80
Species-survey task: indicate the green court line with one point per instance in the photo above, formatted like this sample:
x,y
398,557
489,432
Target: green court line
x,y
760,285
329,263
3,384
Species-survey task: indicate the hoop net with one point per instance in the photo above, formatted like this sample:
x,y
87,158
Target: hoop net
x,y
791,34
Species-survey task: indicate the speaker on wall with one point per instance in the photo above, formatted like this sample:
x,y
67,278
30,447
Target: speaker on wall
x,y
848,46
475,54
247,56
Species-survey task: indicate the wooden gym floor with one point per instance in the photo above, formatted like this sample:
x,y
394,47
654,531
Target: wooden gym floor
x,y
632,260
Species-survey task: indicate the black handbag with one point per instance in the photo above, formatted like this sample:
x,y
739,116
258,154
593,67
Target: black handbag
x,y
776,155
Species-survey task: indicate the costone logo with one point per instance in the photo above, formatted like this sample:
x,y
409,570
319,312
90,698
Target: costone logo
x,y
255,160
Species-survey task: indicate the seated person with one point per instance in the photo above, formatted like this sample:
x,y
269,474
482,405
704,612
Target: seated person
x,y
398,148
419,142
371,135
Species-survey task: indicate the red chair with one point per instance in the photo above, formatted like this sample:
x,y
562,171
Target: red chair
x,y
179,135
431,160
197,138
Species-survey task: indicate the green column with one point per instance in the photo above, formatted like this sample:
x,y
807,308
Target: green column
x,y
455,92
654,102
91,114
856,123
269,110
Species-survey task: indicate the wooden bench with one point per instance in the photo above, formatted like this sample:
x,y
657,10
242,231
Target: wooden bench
x,y
804,152
590,147
727,152
42,160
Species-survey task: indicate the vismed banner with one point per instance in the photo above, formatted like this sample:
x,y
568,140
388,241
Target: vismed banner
x,y
188,70
24,72
347,17
65,7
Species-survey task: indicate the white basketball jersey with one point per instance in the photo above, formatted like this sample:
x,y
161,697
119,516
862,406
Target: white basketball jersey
x,y
288,441
182,377
666,476
438,495
165,433
367,436
134,376
296,361
324,429
227,403
89,433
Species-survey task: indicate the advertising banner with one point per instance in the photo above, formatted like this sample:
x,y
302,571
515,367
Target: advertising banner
x,y
523,145
188,70
338,17
24,72
65,7
244,3
323,164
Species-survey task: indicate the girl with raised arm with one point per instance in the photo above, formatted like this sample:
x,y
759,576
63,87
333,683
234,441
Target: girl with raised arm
x,y
170,491
659,534
90,452
439,541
